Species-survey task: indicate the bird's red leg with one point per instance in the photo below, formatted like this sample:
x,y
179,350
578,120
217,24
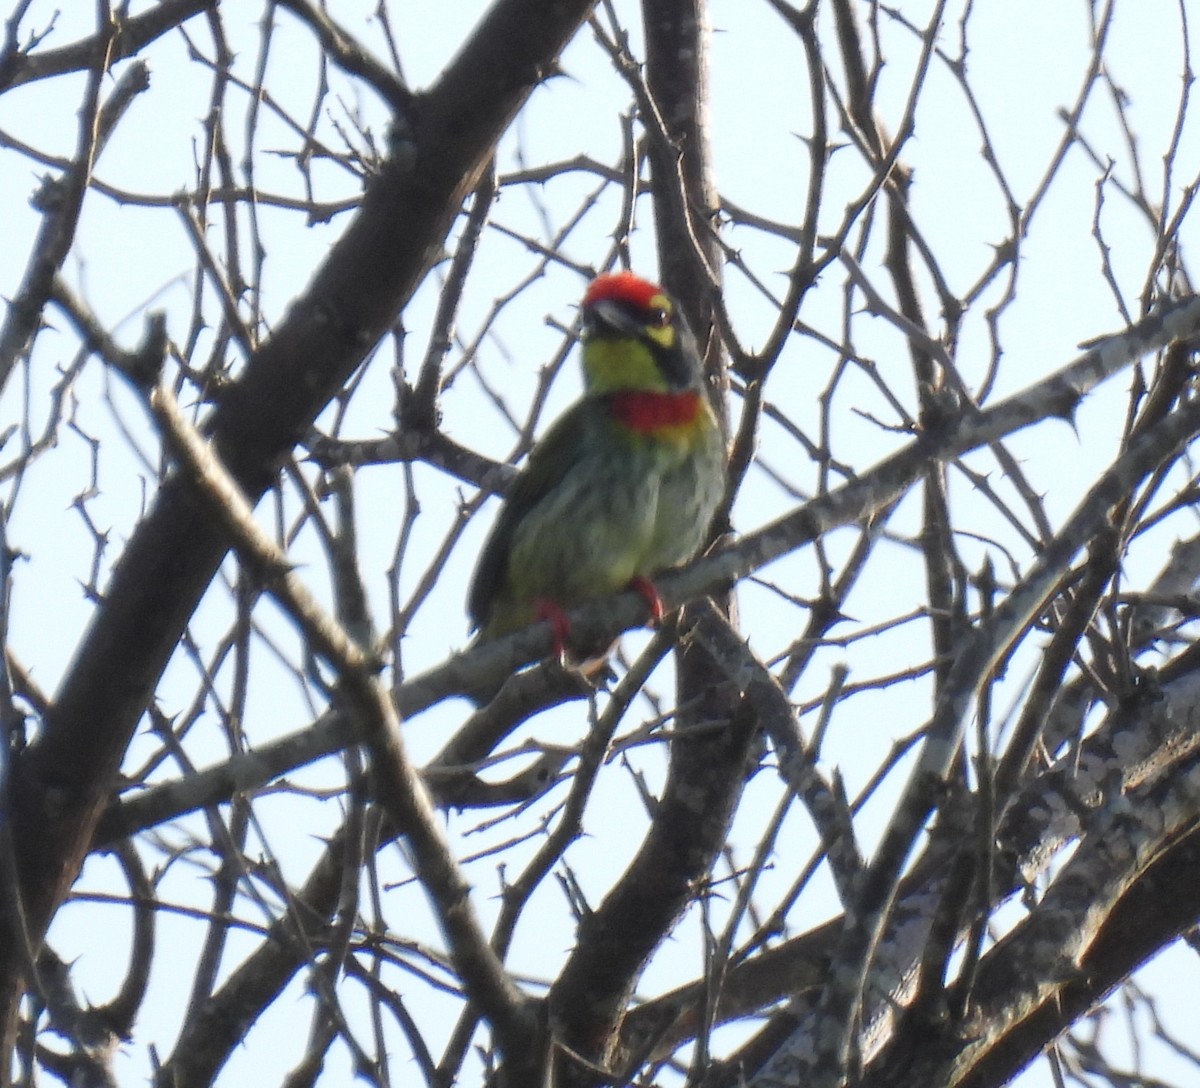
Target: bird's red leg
x,y
650,595
546,609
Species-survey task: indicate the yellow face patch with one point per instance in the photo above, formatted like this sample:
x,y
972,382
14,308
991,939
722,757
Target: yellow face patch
x,y
613,365
662,334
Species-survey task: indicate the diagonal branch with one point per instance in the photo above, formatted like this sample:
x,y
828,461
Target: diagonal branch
x,y
399,788
862,498
865,926
65,778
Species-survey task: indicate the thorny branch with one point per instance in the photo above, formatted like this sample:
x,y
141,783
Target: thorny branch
x,y
962,567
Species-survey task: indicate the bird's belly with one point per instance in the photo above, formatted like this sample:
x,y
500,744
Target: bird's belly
x,y
688,496
612,519
589,537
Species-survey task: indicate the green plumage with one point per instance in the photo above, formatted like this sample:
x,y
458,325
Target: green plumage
x,y
606,498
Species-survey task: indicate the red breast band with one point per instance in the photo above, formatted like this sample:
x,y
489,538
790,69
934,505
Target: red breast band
x,y
645,411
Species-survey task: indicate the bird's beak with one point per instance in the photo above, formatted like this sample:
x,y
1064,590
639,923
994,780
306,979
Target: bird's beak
x,y
607,320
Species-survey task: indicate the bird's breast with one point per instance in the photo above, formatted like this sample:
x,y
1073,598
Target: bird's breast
x,y
678,420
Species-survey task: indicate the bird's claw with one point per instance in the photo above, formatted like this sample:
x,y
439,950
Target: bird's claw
x,y
650,595
560,626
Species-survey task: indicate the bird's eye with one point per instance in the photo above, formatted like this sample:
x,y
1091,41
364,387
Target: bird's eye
x,y
658,319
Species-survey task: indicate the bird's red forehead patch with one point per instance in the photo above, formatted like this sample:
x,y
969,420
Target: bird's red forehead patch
x,y
622,287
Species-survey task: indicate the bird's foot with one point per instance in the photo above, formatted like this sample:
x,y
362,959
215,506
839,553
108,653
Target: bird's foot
x,y
592,667
650,595
560,626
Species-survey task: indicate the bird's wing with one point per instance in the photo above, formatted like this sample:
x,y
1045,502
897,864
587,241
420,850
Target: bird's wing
x,y
553,456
